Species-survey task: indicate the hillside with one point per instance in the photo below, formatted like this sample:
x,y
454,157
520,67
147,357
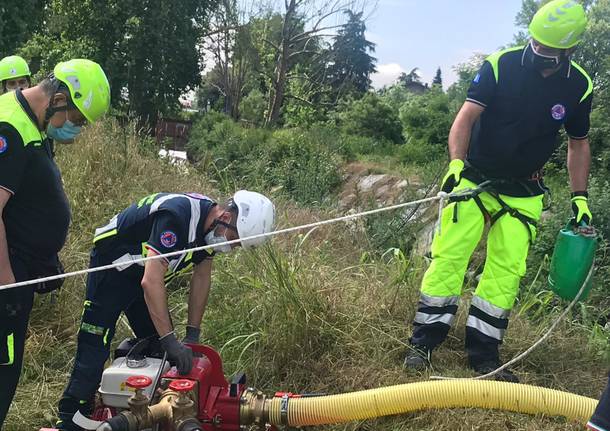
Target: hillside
x,y
323,311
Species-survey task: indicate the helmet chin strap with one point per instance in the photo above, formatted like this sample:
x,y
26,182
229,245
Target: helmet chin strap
x,y
51,110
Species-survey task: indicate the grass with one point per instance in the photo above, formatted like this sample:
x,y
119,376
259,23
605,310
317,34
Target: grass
x,y
319,311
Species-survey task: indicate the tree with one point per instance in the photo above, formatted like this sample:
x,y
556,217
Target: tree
x,y
427,118
351,65
410,78
300,33
149,48
19,20
412,82
465,71
229,42
371,116
438,78
593,53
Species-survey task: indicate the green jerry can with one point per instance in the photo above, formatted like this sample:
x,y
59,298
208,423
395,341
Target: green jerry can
x,y
572,259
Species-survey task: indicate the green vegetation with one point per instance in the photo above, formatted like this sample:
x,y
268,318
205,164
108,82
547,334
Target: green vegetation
x,y
319,311
322,311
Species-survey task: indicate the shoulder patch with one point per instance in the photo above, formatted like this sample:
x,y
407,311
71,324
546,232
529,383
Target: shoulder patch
x,y
3,144
168,239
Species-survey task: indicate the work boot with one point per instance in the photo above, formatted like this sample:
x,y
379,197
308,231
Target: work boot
x,y
486,367
418,357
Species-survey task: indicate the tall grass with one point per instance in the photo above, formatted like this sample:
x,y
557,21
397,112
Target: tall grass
x,y
319,311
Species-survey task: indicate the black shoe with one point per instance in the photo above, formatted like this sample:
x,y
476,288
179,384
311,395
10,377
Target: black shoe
x,y
487,367
418,357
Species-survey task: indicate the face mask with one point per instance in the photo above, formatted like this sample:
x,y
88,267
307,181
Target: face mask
x,y
211,239
540,62
67,132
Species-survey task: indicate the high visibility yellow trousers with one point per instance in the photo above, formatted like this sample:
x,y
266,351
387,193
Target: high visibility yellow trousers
x,y
462,226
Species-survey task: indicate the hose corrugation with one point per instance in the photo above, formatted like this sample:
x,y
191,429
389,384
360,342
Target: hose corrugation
x,y
431,395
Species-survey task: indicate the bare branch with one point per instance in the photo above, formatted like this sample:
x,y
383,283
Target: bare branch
x,y
313,32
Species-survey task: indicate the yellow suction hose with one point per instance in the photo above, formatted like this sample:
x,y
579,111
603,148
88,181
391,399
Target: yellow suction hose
x,y
412,397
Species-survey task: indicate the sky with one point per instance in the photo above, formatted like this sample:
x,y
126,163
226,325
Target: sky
x,y
432,33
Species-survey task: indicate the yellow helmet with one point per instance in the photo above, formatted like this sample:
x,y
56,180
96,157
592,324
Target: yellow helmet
x,y
559,24
88,86
12,67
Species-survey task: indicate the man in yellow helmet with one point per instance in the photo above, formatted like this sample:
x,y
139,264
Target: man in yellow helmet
x,y
33,205
14,74
505,132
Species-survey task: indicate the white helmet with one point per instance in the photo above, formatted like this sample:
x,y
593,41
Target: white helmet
x,y
255,216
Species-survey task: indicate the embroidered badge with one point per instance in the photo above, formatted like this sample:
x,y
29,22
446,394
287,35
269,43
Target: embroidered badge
x,y
558,111
168,239
3,144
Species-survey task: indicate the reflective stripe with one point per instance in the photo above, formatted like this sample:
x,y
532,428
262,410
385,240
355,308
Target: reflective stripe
x,y
127,260
489,308
91,329
476,102
105,235
485,328
594,427
589,89
494,59
10,347
428,319
195,216
147,200
438,301
108,230
156,204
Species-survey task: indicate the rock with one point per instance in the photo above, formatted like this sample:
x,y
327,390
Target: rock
x,y
367,183
382,191
402,184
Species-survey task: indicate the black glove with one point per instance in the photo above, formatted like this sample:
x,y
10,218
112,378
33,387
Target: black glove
x,y
192,335
178,353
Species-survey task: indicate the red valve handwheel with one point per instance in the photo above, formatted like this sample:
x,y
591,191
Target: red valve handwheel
x,y
182,385
139,382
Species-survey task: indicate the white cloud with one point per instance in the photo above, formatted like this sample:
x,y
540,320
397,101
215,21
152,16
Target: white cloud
x,y
386,74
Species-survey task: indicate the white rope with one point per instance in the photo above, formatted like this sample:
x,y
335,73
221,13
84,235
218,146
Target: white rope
x,y
534,346
441,197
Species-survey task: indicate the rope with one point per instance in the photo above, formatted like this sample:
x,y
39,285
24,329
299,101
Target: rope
x,y
441,197
534,346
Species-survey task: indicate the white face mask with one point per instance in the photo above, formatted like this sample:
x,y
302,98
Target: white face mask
x,y
211,239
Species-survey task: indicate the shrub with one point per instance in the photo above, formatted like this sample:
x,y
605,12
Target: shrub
x,y
371,117
418,152
303,163
428,118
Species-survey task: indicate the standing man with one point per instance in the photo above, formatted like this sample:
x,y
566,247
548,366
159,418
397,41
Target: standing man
x,y
33,206
14,74
158,224
505,132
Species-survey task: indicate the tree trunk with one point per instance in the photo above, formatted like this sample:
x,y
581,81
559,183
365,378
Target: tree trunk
x,y
277,92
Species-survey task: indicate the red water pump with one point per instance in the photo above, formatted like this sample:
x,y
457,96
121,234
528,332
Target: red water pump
x,y
202,400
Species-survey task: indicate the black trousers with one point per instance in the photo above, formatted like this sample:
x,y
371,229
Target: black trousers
x,y
601,417
109,293
15,308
